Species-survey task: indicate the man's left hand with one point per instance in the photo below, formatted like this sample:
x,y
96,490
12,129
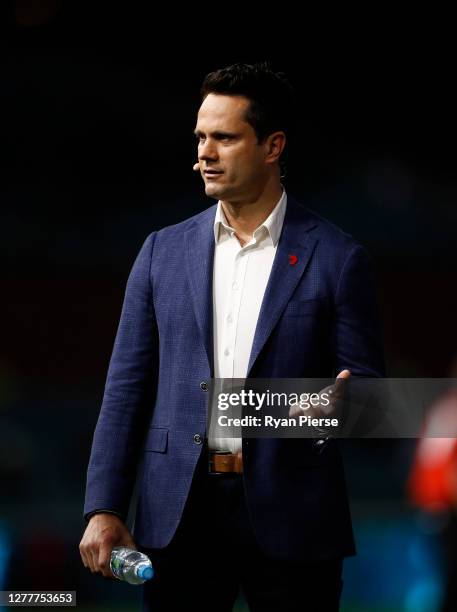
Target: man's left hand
x,y
335,393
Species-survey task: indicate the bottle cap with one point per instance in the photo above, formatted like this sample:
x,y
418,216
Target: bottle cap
x,y
145,572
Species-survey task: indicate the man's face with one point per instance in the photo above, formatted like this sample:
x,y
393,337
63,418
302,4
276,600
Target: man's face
x,y
232,162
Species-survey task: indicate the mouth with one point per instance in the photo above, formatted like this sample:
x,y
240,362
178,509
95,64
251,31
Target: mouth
x,y
211,173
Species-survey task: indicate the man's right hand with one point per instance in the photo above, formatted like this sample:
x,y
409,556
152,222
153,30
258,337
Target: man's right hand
x,y
103,533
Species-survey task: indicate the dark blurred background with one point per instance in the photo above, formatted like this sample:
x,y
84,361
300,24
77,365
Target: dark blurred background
x,y
96,151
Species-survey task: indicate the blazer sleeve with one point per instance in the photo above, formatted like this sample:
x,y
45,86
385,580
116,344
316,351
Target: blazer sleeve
x,y
357,333
128,397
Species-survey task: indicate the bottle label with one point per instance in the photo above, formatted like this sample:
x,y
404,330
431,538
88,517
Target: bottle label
x,y
117,566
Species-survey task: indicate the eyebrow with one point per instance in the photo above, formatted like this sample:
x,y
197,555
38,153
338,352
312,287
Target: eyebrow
x,y
217,134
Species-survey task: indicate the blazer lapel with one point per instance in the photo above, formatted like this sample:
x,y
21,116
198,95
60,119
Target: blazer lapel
x,y
295,248
199,246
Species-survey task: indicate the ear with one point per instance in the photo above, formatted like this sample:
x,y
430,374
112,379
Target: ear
x,y
274,146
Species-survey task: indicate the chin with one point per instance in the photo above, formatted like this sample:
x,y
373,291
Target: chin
x,y
213,192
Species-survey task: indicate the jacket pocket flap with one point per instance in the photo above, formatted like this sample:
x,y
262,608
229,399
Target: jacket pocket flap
x,y
157,440
298,308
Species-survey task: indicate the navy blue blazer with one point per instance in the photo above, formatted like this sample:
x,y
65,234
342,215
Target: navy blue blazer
x,y
317,318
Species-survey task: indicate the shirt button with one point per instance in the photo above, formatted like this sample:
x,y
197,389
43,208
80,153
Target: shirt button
x,y
226,352
198,439
204,386
235,286
229,319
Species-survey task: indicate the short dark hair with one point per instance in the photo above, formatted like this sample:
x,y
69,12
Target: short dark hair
x,y
271,95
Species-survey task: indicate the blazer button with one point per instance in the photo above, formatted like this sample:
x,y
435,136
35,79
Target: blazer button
x,y
204,386
198,439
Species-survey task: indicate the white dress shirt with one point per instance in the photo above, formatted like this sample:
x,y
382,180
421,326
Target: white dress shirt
x,y
240,277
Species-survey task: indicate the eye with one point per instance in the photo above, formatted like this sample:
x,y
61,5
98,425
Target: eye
x,y
227,138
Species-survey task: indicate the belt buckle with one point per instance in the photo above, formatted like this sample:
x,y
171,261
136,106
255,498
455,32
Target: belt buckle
x,y
210,462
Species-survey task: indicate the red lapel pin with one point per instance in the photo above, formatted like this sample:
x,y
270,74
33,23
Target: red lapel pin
x,y
293,260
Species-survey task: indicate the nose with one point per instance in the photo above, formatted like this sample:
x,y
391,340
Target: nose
x,y
207,151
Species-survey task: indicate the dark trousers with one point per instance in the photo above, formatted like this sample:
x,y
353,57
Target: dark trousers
x,y
214,553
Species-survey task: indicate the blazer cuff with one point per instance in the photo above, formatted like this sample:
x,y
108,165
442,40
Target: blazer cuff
x,y
89,515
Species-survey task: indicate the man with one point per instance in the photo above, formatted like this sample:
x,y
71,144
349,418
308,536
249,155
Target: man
x,y
254,286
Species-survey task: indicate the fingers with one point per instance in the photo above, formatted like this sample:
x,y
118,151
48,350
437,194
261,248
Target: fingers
x,y
86,552
93,565
334,393
344,374
89,552
103,533
295,410
85,558
127,541
95,554
103,561
88,556
337,388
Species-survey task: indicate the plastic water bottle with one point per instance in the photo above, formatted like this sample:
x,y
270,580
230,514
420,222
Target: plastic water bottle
x,y
130,565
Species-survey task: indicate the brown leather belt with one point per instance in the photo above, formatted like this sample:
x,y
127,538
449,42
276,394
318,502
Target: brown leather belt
x,y
221,462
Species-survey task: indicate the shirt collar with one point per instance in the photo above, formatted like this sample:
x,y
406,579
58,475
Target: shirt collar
x,y
273,223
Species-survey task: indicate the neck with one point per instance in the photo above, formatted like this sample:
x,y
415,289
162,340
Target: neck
x,y
245,217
